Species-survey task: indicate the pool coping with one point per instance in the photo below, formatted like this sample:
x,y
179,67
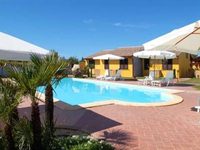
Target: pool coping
x,y
131,85
174,100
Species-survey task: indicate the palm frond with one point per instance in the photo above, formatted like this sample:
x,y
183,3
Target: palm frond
x,y
9,98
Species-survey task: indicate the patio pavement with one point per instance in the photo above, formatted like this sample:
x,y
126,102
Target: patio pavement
x,y
174,127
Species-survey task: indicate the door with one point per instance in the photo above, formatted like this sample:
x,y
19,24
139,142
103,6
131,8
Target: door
x,y
137,67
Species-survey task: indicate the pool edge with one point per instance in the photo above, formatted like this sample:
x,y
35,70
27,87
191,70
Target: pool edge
x,y
175,100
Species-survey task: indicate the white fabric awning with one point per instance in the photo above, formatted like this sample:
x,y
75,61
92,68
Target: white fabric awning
x,y
108,57
185,39
155,55
12,48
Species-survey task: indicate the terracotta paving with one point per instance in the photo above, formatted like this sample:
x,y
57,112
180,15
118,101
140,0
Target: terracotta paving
x,y
174,127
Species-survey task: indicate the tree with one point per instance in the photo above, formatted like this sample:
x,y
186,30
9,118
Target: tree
x,y
71,61
9,101
91,66
54,73
29,77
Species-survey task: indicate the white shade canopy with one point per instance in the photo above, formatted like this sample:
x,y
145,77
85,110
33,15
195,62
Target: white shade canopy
x,y
12,48
155,54
108,57
185,39
75,67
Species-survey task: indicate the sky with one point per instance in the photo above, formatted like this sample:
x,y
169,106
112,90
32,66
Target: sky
x,y
82,27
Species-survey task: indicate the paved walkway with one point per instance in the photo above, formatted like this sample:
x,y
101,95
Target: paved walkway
x,y
174,127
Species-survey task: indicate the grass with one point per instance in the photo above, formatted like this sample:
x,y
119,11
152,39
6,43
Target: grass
x,y
194,81
197,87
140,77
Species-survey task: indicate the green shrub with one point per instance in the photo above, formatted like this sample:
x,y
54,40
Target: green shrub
x,y
23,134
81,143
2,141
23,137
48,137
78,73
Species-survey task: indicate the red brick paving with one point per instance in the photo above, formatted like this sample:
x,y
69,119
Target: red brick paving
x,y
174,127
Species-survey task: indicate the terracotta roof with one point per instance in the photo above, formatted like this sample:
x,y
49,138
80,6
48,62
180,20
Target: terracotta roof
x,y
124,51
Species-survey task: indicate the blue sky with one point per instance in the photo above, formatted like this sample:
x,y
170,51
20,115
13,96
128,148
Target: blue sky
x,y
82,27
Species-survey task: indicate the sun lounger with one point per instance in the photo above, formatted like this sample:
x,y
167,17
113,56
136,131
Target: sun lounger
x,y
198,108
166,81
198,105
102,77
117,76
148,79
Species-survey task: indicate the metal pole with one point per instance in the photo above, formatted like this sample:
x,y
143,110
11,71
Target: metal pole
x,y
154,67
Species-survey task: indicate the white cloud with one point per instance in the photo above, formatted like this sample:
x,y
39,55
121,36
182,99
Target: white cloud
x,y
117,24
88,21
124,25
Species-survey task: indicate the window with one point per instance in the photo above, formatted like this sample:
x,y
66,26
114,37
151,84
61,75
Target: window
x,y
106,64
146,64
167,64
124,63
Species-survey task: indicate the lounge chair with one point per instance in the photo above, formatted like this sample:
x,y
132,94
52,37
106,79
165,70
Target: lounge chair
x,y
117,76
167,80
197,107
148,79
102,77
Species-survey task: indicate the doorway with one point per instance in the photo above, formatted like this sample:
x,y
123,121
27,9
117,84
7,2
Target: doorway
x,y
137,67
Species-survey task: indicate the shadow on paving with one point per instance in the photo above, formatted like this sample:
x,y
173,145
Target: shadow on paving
x,y
79,118
193,109
119,137
83,120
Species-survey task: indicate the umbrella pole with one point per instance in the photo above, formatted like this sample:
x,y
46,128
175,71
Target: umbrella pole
x,y
154,68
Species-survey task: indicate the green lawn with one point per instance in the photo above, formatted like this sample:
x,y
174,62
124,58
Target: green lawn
x,y
192,80
140,77
197,87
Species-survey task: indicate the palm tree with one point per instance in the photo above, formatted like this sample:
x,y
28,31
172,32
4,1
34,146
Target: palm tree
x,y
29,78
9,100
55,67
41,72
91,66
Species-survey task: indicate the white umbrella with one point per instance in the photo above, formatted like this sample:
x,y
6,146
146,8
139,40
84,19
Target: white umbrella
x,y
12,48
75,67
108,57
185,39
155,55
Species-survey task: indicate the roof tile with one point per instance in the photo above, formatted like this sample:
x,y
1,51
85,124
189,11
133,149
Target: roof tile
x,y
124,51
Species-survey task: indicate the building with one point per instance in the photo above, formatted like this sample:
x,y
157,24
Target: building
x,y
181,66
130,66
136,67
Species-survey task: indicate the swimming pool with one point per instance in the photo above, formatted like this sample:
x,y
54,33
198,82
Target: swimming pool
x,y
83,91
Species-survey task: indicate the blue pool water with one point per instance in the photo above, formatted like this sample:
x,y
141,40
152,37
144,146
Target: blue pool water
x,y
81,91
